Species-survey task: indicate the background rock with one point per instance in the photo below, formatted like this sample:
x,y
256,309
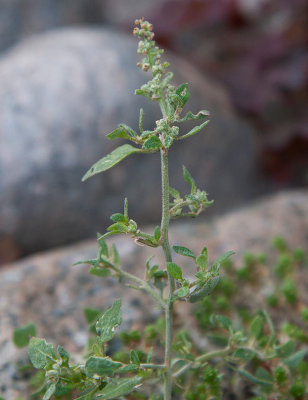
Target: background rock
x,y
59,94
19,19
47,290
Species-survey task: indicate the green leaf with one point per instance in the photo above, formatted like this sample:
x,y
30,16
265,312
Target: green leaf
x,y
200,115
21,335
153,143
224,257
285,349
256,327
128,368
64,355
117,227
183,292
174,270
119,133
183,94
189,179
195,130
50,391
253,378
102,246
118,388
205,290
168,141
115,254
174,193
202,261
99,271
183,251
101,366
157,233
111,160
128,129
107,323
92,262
40,353
294,360
223,321
118,217
134,357
244,354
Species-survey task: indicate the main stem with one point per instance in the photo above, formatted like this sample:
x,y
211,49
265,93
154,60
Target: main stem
x,y
168,258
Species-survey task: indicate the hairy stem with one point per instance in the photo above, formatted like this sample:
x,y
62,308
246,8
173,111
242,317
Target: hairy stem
x,y
142,284
171,284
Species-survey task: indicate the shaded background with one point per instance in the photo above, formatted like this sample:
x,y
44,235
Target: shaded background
x,y
251,55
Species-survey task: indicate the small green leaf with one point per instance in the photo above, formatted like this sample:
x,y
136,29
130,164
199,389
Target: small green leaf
x,y
118,217
294,360
168,141
223,321
119,133
128,368
128,129
102,246
157,233
253,378
118,388
183,292
183,251
174,193
285,349
50,391
174,270
244,354
107,323
117,227
190,180
221,259
256,327
21,335
183,94
153,143
202,261
64,355
200,115
101,366
134,357
111,160
40,353
195,130
115,254
99,271
93,262
205,290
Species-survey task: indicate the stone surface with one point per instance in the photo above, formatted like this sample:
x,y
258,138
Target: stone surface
x,y
59,94
47,290
19,18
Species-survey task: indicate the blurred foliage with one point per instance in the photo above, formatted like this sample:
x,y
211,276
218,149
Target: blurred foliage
x,y
258,49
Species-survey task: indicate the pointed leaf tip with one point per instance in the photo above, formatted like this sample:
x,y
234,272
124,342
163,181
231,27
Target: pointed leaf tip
x,y
110,160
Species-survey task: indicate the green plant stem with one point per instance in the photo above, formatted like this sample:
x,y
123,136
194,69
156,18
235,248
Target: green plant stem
x,y
143,284
202,358
171,283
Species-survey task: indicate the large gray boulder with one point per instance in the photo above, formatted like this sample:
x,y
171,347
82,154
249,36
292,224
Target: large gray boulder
x,y
60,93
48,291
19,18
